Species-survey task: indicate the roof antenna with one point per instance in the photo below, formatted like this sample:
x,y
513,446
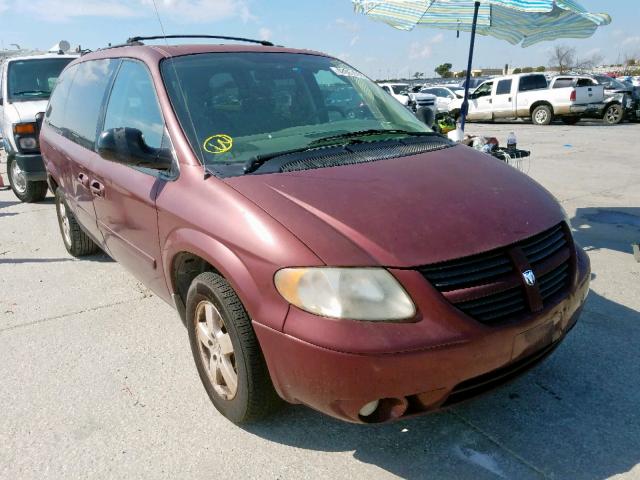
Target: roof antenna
x,y
207,173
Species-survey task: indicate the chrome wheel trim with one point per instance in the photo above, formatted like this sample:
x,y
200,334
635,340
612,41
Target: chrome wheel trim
x,y
541,116
17,178
64,222
216,350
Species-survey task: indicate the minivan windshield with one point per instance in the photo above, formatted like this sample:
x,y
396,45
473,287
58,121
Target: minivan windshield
x,y
33,79
234,107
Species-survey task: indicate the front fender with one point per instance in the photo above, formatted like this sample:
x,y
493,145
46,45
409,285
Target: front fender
x,y
253,283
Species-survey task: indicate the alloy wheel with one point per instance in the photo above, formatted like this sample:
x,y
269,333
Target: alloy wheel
x,y
613,114
64,220
216,350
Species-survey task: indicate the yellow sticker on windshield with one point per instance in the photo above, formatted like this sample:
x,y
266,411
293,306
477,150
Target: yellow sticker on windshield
x,y
216,144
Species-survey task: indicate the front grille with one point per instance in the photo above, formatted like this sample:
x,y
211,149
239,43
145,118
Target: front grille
x,y
425,103
490,286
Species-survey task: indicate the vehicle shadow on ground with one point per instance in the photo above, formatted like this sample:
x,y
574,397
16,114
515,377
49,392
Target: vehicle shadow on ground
x,y
574,416
614,228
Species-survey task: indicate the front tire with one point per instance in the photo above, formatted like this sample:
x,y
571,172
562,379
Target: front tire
x,y
77,243
613,114
542,115
26,191
226,351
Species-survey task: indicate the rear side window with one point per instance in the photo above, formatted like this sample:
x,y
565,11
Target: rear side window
x,y
532,82
133,103
504,87
85,101
586,82
563,83
55,111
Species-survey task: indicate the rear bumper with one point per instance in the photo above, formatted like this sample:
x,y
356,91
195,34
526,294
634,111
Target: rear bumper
x,y
32,166
408,383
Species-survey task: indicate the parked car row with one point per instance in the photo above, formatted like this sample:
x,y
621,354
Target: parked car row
x,y
320,244
538,97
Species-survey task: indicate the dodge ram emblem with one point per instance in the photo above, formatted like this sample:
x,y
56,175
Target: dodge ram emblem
x,y
529,278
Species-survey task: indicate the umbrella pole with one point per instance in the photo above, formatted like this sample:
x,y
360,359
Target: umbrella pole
x,y
465,103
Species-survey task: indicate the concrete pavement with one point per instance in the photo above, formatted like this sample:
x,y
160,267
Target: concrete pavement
x,y
97,379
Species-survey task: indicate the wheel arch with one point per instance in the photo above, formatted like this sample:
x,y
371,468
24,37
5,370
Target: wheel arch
x,y
189,252
541,103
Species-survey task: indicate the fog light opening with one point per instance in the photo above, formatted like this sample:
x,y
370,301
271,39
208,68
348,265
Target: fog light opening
x,y
369,408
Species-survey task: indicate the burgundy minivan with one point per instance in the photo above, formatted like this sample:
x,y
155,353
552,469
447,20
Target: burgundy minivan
x,y
321,245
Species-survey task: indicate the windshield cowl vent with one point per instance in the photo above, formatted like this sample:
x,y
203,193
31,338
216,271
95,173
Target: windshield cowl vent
x,y
362,153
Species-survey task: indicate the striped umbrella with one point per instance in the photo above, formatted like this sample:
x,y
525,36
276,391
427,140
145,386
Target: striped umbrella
x,y
524,22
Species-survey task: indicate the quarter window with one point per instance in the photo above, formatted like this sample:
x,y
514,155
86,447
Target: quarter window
x,y
504,87
133,104
55,111
532,82
85,101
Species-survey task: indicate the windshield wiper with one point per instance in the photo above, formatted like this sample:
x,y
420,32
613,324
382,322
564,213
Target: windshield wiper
x,y
256,162
31,92
367,133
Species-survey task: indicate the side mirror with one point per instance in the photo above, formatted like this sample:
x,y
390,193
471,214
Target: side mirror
x,y
127,146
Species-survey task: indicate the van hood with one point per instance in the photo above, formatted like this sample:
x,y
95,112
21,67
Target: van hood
x,y
26,111
406,211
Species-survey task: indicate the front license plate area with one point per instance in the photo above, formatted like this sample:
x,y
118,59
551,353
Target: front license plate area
x,y
534,339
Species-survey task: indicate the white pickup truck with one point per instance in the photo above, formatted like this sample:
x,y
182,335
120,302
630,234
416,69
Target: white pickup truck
x,y
531,96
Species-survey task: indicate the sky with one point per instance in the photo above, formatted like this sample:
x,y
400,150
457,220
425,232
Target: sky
x,y
326,25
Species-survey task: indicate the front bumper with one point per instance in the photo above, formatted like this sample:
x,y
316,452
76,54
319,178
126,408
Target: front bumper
x,y
466,362
32,166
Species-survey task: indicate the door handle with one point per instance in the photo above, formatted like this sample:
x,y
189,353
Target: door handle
x,y
510,99
84,180
490,100
97,189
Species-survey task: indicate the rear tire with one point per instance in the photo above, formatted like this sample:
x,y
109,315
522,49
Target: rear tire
x,y
570,120
77,243
226,351
613,115
26,191
542,115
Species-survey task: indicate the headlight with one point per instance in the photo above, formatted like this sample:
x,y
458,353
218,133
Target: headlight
x,y
355,293
27,143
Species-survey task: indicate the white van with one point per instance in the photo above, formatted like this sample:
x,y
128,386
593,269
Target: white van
x,y
26,83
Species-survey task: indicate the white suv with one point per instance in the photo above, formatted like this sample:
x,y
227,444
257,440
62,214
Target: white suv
x,y
26,83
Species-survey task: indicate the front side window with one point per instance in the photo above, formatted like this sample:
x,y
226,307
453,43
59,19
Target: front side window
x,y
33,79
234,107
87,94
483,90
133,104
398,89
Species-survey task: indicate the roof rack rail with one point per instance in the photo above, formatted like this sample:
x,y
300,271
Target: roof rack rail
x,y
138,40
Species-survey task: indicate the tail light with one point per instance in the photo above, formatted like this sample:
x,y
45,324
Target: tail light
x,y
573,96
